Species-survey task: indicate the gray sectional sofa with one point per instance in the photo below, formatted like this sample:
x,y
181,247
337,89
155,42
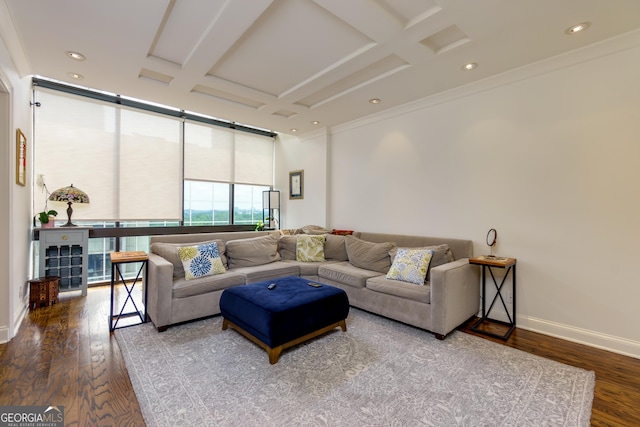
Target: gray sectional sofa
x,y
358,264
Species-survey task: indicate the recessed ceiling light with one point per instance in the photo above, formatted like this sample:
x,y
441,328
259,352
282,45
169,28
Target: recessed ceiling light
x,y
294,130
75,55
374,101
76,76
315,122
577,28
470,66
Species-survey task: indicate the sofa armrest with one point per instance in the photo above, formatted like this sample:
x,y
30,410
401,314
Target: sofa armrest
x,y
160,291
455,295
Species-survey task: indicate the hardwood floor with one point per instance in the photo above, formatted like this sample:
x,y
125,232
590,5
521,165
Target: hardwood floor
x,y
65,355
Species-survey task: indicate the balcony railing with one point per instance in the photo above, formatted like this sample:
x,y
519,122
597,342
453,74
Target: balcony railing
x,y
107,237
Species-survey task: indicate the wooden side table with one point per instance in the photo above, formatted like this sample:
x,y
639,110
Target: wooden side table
x,y
43,291
117,259
488,262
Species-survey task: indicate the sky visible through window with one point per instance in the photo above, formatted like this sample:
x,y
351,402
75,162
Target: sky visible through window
x,y
207,203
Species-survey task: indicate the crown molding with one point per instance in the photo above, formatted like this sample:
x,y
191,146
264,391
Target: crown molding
x,y
591,52
318,133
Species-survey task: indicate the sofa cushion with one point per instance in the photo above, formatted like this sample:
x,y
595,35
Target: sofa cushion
x,y
368,255
251,252
201,260
267,271
335,248
287,247
310,248
400,289
183,288
308,268
346,273
410,265
169,251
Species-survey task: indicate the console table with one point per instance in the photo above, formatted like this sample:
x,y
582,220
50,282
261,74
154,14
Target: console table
x,y
64,253
509,264
117,259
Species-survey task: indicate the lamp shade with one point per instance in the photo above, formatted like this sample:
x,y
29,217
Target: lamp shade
x,y
69,195
271,204
271,200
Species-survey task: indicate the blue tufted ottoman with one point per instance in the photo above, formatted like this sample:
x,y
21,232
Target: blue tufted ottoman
x,y
289,314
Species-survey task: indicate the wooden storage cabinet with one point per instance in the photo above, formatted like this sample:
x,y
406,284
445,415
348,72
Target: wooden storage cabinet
x,y
43,292
64,253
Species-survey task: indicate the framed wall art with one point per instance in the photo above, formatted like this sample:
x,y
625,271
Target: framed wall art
x,y
296,184
21,158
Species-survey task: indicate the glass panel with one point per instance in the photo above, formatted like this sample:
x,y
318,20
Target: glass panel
x,y
206,203
99,268
247,207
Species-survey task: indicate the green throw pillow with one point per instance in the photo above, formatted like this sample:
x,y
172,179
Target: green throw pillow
x,y
410,265
310,248
200,261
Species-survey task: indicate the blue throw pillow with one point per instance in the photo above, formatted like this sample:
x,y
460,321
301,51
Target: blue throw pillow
x,y
200,261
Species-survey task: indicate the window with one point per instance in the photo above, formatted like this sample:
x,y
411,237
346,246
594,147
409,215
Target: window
x,y
140,165
145,165
206,203
128,162
247,206
224,155
223,165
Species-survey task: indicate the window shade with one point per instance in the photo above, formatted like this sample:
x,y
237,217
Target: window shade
x,y
224,155
128,162
208,153
253,159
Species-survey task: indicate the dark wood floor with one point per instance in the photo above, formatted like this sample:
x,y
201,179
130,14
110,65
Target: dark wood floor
x,y
64,355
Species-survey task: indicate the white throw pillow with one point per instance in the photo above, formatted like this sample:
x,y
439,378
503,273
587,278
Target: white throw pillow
x,y
410,265
310,248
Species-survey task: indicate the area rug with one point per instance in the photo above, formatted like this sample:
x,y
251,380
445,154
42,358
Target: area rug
x,y
378,373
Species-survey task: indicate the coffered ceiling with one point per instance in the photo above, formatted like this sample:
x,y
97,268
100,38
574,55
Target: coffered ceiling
x,y
295,64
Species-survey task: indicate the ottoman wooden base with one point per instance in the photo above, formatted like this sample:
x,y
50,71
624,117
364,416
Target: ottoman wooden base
x,y
274,353
288,314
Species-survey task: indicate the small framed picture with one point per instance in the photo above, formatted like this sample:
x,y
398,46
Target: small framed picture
x,y
21,158
296,184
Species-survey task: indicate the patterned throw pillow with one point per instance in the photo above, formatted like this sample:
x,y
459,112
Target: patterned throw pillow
x,y
410,265
200,261
310,248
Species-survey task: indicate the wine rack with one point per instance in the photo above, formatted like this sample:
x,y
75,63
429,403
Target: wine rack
x,y
64,253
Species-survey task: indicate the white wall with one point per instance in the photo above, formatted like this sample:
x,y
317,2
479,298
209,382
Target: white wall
x,y
15,214
550,158
307,153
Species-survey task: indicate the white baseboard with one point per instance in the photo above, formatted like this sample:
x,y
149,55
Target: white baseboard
x,y
20,317
4,334
611,343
